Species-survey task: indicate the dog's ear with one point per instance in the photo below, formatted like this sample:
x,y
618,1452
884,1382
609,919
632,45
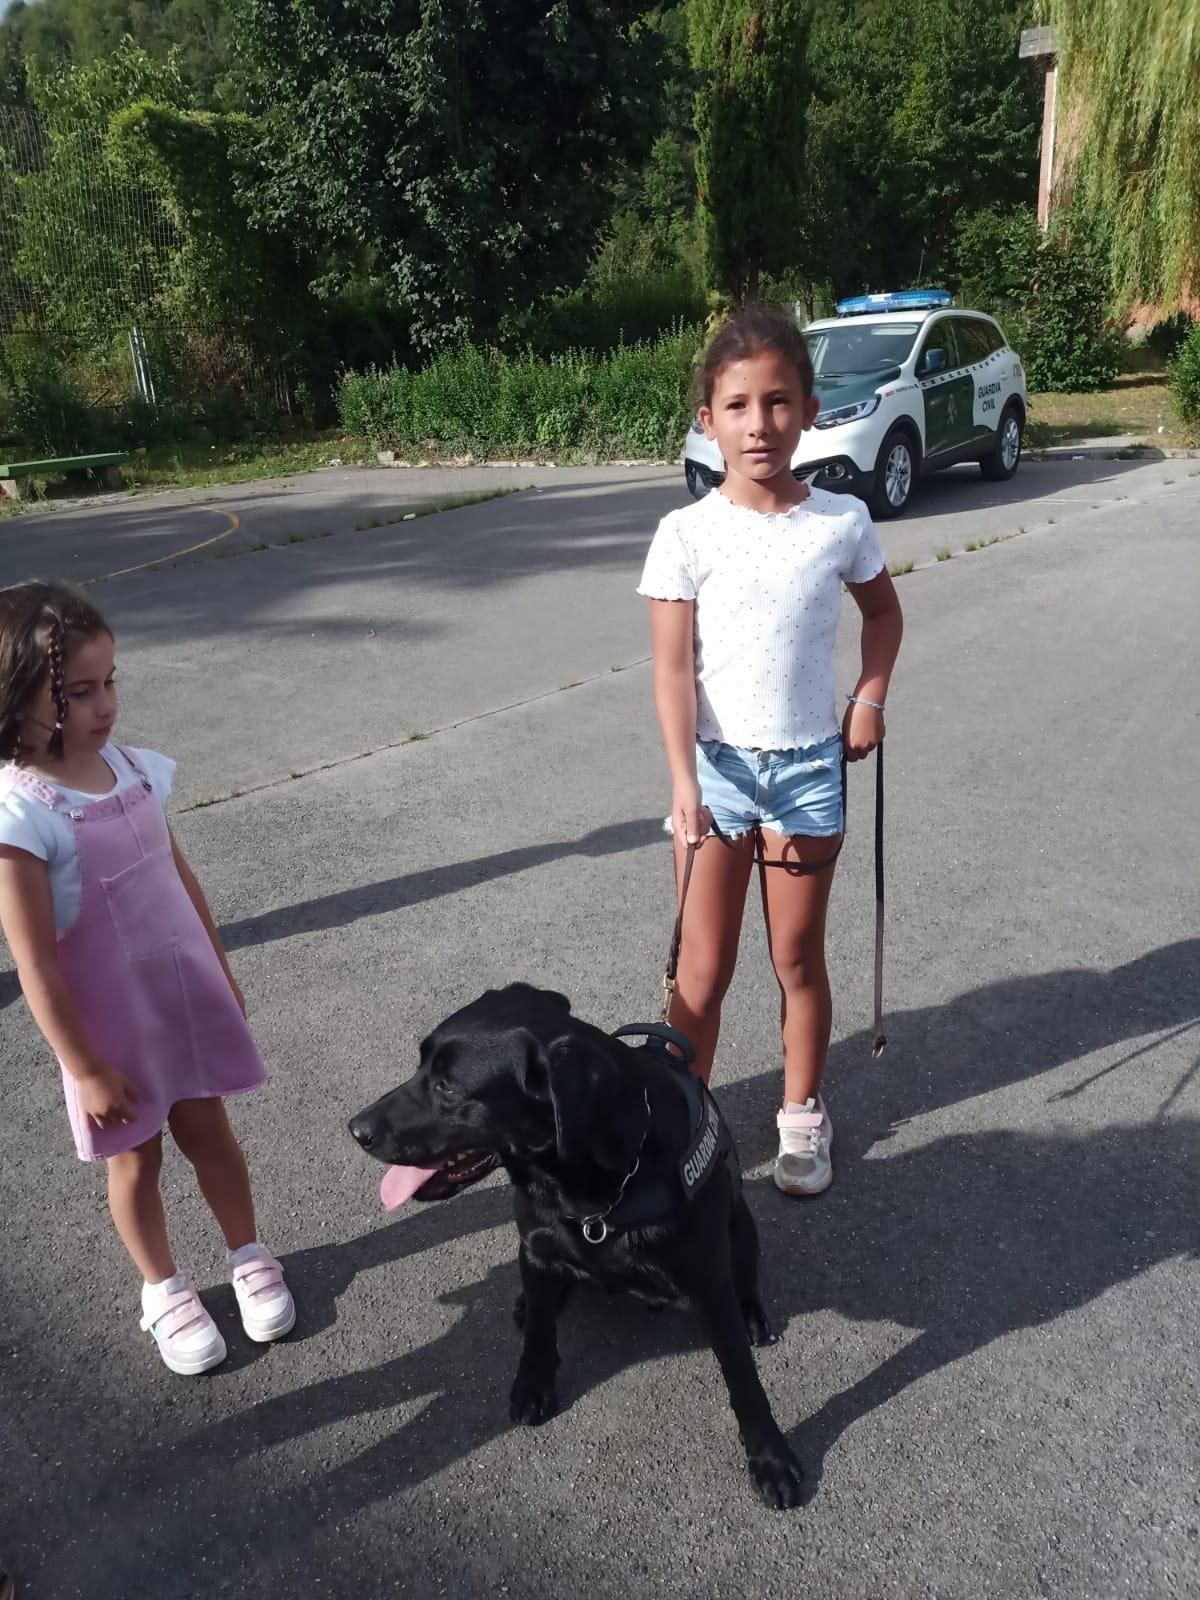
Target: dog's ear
x,y
599,1112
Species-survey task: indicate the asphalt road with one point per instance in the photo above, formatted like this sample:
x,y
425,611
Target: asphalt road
x,y
989,1363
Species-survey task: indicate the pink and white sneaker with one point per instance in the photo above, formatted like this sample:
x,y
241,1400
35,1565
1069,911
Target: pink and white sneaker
x,y
804,1165
188,1339
264,1300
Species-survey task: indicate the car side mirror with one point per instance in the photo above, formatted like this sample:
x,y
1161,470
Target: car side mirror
x,y
933,361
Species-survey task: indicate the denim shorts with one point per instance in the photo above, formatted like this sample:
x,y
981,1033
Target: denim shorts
x,y
789,791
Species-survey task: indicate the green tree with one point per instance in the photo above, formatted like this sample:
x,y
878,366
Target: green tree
x,y
751,60
54,34
1130,86
921,111
468,147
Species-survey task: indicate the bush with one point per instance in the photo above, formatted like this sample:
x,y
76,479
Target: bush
x,y
1183,377
44,409
631,402
1166,338
1067,342
995,254
620,311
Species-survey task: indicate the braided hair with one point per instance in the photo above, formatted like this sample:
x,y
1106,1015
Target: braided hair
x,y
40,623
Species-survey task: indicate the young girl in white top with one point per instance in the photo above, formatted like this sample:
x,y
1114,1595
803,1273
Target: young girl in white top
x,y
745,593
121,964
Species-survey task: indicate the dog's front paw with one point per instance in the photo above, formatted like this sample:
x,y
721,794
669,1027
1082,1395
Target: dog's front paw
x,y
519,1312
760,1331
533,1400
777,1476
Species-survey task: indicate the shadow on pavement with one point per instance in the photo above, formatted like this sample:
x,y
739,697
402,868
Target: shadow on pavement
x,y
964,1240
412,888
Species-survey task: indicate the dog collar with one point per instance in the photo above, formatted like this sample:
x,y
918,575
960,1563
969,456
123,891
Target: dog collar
x,y
595,1228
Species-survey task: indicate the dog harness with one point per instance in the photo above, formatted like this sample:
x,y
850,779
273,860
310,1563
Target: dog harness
x,y
659,1198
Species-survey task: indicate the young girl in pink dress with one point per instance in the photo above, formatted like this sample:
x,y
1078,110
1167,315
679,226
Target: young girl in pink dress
x,y
121,964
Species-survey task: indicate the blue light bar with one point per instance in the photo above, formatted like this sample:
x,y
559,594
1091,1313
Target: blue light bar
x,y
862,305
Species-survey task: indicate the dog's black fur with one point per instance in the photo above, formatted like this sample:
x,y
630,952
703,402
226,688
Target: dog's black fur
x,y
515,1079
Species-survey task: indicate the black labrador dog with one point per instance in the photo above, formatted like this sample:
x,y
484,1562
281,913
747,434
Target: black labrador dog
x,y
623,1170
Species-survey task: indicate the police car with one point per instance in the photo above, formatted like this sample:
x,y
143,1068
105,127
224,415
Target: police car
x,y
908,384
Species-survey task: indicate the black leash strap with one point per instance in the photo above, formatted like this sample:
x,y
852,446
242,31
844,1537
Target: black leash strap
x,y
879,1041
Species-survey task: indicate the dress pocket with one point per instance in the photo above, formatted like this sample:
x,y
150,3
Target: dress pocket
x,y
149,906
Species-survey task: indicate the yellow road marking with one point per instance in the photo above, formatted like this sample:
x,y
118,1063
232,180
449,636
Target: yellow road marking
x,y
235,523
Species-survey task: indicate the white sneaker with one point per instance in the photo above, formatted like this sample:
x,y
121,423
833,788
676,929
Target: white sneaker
x,y
188,1339
264,1300
803,1165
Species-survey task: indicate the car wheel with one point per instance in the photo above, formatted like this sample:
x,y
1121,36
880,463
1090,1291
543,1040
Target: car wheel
x,y
1003,459
896,468
697,487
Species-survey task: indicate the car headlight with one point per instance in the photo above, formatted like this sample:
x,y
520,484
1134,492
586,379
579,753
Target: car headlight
x,y
839,414
697,426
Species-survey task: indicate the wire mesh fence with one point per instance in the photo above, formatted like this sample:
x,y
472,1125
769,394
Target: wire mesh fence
x,y
86,252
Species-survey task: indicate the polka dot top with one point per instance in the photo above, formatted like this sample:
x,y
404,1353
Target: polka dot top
x,y
768,593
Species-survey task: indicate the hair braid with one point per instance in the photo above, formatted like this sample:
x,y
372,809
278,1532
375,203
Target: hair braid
x,y
54,648
40,625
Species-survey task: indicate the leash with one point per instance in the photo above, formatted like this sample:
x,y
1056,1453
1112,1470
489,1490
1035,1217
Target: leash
x,y
879,1040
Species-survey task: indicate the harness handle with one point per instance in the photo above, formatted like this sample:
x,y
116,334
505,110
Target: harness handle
x,y
658,1030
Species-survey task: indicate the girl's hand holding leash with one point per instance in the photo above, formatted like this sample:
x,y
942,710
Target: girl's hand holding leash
x,y
862,728
106,1096
690,817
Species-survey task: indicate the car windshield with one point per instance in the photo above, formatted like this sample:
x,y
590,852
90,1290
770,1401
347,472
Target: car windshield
x,y
843,352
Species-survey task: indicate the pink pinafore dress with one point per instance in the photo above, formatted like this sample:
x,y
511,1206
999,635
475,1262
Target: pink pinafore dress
x,y
141,968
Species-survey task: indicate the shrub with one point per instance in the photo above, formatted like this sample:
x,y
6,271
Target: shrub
x,y
630,402
43,406
995,255
1068,344
1183,376
611,313
1166,338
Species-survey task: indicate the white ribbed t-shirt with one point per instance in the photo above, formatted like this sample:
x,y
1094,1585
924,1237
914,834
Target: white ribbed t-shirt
x,y
768,594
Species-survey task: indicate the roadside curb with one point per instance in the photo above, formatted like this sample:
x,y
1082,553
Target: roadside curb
x,y
1135,451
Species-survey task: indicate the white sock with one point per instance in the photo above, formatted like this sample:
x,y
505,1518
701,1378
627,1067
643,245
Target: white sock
x,y
244,1253
170,1285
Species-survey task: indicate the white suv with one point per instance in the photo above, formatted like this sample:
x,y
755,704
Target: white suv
x,y
907,384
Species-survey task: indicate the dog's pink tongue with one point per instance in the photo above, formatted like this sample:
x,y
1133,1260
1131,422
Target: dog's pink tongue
x,y
401,1183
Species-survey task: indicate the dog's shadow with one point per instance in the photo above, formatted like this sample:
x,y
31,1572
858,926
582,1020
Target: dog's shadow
x,y
964,1239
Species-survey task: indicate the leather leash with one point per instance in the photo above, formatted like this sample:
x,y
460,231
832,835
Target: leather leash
x,y
879,1041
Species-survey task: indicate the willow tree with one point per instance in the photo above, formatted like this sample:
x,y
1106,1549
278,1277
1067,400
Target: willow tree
x,y
1129,84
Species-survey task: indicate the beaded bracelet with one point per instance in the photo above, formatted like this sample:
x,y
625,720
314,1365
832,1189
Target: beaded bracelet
x,y
857,700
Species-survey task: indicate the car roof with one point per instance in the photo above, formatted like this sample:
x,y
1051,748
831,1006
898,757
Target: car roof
x,y
879,319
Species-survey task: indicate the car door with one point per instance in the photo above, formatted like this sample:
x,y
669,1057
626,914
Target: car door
x,y
978,342
945,390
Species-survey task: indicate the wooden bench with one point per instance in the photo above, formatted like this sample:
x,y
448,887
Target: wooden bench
x,y
107,468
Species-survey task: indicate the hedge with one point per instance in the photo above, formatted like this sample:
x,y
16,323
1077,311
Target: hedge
x,y
633,401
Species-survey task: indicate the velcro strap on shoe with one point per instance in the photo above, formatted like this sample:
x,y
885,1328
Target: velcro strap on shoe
x,y
259,1276
178,1313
